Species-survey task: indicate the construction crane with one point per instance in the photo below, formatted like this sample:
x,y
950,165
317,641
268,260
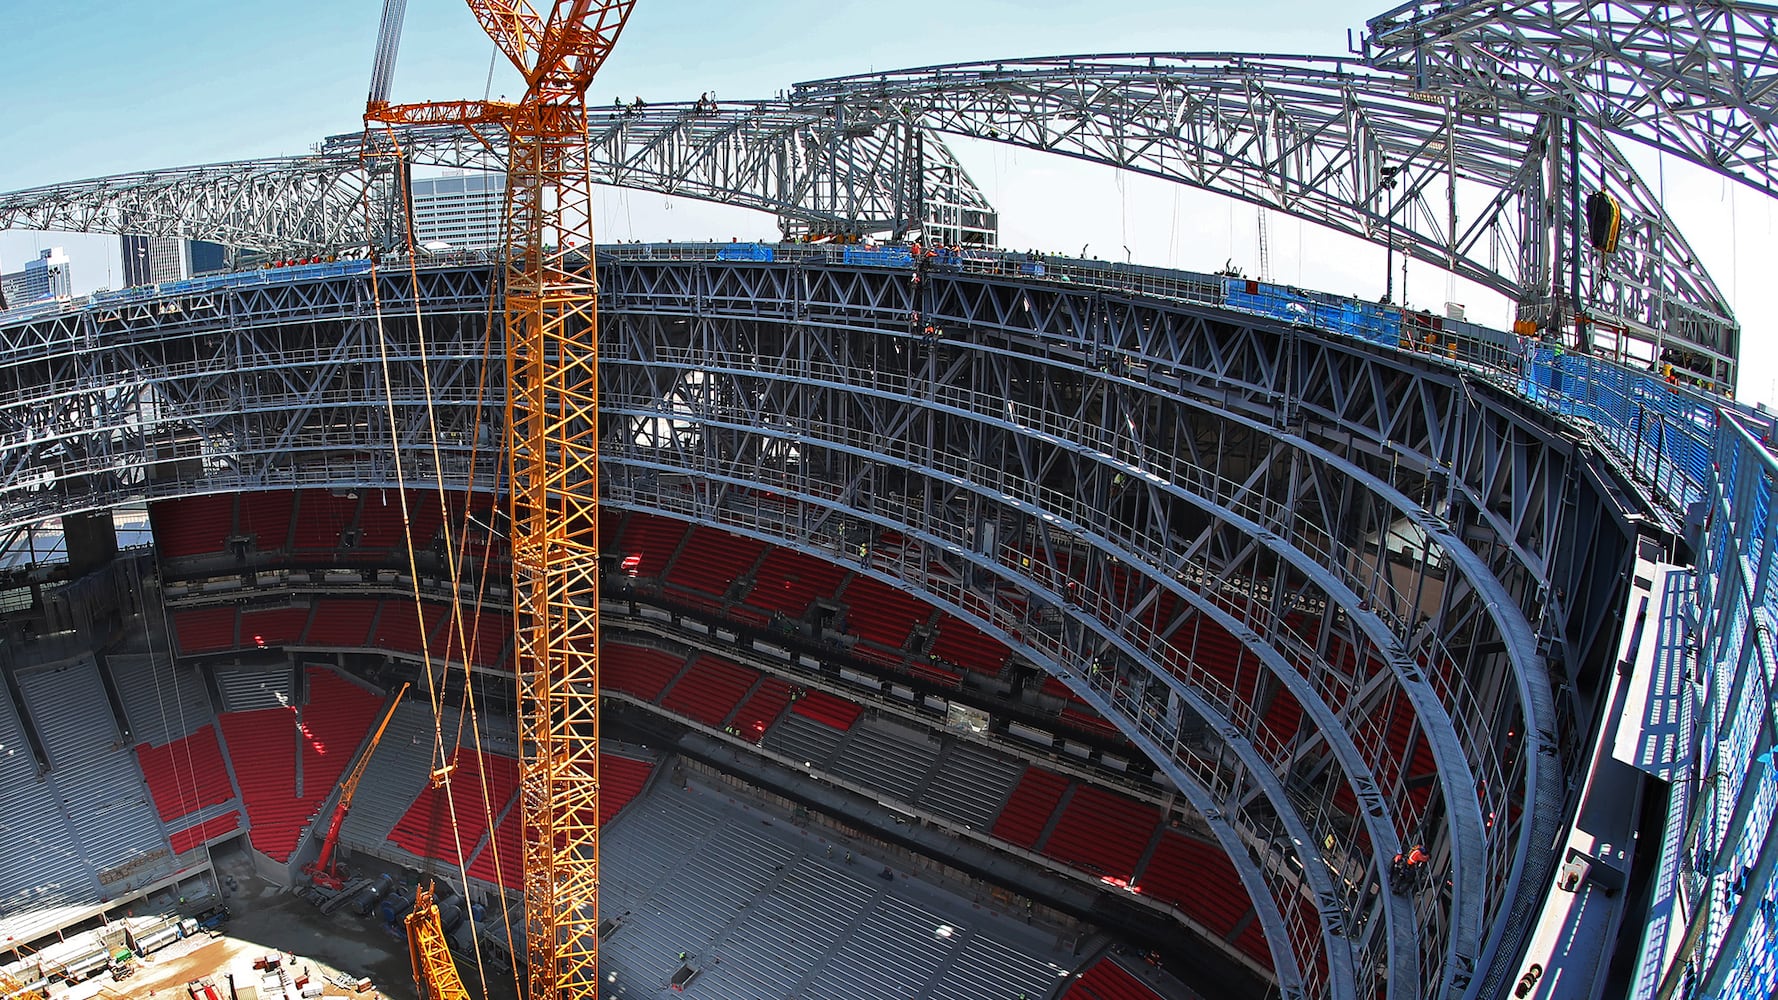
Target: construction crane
x,y
435,974
552,459
324,871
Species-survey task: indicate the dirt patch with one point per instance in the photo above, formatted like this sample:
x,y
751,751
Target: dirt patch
x,y
266,920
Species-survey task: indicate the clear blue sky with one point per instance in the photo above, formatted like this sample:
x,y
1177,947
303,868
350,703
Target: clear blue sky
x,y
101,88
98,88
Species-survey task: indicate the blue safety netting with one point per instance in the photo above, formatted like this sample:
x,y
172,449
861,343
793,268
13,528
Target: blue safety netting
x,y
746,251
1665,433
1370,321
878,256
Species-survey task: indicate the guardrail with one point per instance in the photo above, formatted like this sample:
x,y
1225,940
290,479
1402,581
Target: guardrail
x,y
1728,868
187,286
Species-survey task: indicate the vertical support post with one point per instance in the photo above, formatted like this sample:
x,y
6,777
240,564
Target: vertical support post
x,y
916,178
1583,340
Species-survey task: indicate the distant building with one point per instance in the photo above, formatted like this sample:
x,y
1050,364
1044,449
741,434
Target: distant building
x,y
43,278
47,276
204,257
12,289
149,260
463,209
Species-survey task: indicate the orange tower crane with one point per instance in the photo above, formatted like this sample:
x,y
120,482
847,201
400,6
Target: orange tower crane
x,y
552,453
323,871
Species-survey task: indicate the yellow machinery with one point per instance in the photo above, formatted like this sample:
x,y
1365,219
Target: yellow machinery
x,y
12,989
430,952
552,451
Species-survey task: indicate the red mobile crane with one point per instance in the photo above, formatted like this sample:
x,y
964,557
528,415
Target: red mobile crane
x,y
323,871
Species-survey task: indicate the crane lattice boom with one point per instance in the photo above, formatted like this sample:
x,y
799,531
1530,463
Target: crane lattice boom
x,y
552,448
322,870
430,952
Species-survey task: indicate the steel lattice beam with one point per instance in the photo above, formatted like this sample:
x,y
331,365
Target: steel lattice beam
x,y
1358,150
298,203
814,169
816,173
1469,184
1698,80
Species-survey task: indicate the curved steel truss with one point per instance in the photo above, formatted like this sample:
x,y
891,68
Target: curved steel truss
x,y
288,203
1094,477
1693,79
1478,191
817,172
1468,142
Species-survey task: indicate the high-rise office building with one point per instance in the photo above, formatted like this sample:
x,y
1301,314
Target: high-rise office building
x,y
202,257
462,209
47,276
12,289
151,259
43,278
148,260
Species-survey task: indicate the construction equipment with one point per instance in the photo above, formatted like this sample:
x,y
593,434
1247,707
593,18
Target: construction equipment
x,y
324,870
12,989
435,973
552,453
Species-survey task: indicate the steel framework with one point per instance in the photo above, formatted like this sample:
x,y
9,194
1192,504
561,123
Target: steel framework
x,y
1433,148
1174,499
430,953
1722,867
1477,191
551,452
817,175
815,170
1694,80
293,204
1086,474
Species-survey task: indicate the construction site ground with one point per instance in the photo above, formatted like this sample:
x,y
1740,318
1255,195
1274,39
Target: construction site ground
x,y
265,920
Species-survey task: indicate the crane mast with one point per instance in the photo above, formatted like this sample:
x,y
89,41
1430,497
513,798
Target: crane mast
x,y
435,972
552,455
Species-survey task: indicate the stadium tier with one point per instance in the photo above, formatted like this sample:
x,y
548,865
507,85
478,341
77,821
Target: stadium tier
x,y
187,774
1107,980
1133,594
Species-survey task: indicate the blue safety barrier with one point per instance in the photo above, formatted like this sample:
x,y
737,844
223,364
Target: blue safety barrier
x,y
1368,321
234,279
878,256
746,251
